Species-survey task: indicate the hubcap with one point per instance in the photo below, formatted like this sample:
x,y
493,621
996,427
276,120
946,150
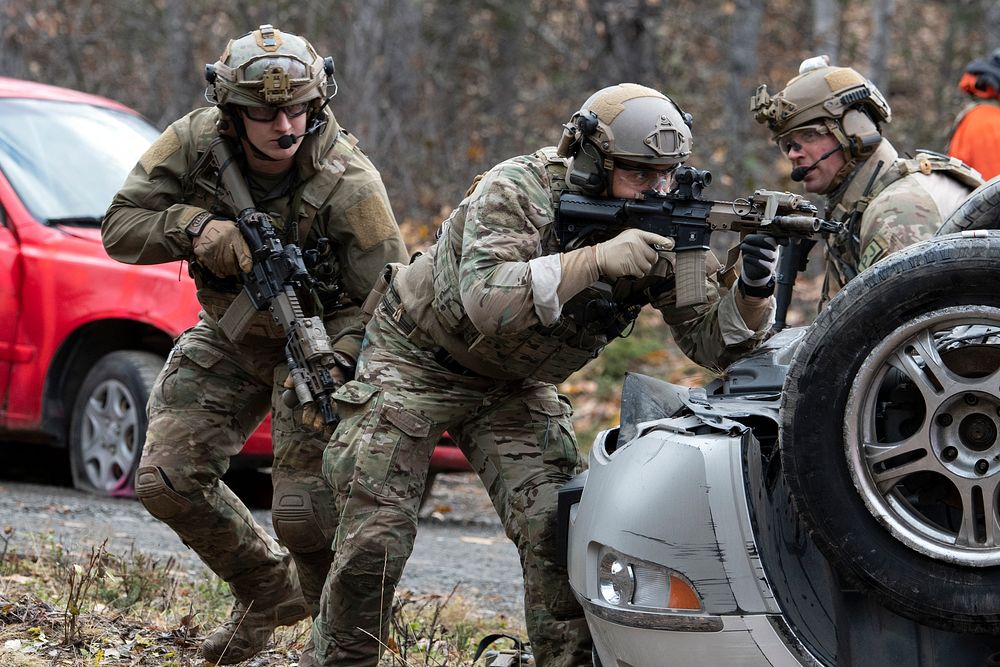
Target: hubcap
x,y
921,434
109,436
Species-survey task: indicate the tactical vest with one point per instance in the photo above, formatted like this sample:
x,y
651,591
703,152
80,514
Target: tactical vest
x,y
202,188
550,353
845,249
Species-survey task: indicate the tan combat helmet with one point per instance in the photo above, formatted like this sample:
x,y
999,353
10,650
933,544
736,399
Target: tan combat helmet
x,y
268,67
623,122
830,99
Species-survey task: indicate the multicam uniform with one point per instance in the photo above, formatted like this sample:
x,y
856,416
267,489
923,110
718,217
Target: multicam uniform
x,y
906,203
468,339
213,393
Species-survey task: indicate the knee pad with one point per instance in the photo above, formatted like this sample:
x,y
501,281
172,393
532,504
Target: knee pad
x,y
154,491
295,522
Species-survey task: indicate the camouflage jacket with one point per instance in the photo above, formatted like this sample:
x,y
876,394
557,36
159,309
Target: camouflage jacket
x,y
906,202
481,295
337,194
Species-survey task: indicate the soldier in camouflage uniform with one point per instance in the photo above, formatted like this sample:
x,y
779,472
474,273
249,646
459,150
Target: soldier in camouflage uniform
x,y
302,168
472,337
827,120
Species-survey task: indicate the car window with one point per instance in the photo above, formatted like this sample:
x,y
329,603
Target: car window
x,y
67,160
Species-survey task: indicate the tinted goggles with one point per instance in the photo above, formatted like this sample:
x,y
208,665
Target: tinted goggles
x,y
269,113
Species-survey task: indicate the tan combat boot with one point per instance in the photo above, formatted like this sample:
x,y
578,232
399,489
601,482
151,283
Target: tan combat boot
x,y
249,627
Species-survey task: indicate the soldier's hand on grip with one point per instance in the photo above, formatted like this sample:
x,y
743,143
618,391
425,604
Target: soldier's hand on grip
x,y
631,253
221,249
309,415
760,259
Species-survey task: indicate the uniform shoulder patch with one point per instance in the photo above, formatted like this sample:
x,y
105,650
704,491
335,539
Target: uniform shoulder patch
x,y
164,146
371,221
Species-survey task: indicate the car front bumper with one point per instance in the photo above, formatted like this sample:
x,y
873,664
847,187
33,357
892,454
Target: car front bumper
x,y
672,503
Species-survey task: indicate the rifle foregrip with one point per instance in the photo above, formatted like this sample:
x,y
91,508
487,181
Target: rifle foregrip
x,y
690,276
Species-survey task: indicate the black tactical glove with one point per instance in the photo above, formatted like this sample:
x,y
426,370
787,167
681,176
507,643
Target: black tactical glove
x,y
760,259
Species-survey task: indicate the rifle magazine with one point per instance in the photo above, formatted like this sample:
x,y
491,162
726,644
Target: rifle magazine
x,y
690,276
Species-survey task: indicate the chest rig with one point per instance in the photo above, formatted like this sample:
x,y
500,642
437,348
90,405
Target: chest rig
x,y
293,209
588,321
844,250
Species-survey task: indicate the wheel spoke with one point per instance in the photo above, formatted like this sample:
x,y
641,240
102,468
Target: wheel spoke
x,y
886,479
934,380
99,461
119,402
990,489
97,406
876,453
93,432
975,505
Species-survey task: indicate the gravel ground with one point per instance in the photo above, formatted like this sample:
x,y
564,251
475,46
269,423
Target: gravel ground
x,y
460,540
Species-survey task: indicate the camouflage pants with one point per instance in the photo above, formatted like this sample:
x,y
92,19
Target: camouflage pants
x,y
209,397
518,437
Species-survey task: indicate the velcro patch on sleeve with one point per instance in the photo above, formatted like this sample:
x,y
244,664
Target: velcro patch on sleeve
x,y
371,222
164,146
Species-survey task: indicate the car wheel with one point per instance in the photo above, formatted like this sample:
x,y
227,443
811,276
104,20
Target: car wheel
x,y
889,438
980,211
108,425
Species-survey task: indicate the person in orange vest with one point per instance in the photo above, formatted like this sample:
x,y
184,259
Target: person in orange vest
x,y
976,137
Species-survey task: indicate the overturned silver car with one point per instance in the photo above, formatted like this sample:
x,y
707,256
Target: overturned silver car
x,y
834,499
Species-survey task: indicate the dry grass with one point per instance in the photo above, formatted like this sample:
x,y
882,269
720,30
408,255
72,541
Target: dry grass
x,y
78,610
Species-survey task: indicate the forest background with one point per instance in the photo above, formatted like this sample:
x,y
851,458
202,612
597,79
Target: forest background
x,y
440,90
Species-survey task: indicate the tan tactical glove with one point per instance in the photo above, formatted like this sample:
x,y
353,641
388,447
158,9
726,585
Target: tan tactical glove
x,y
631,253
220,248
310,415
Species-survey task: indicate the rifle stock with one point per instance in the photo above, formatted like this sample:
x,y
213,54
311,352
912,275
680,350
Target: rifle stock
x,y
271,284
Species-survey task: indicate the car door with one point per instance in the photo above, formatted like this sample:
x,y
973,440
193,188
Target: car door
x,y
10,287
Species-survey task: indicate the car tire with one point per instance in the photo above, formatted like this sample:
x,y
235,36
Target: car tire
x,y
980,211
108,424
880,477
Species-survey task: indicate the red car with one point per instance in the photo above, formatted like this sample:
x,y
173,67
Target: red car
x,y
82,337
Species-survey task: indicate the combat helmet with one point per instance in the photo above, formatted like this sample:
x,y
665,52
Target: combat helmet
x,y
623,122
831,99
268,67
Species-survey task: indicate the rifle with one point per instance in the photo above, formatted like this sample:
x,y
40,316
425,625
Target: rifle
x,y
685,216
278,272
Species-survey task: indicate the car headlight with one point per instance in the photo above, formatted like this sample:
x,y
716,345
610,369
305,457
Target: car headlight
x,y
624,581
615,580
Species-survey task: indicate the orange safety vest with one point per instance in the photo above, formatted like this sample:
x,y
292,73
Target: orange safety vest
x,y
976,139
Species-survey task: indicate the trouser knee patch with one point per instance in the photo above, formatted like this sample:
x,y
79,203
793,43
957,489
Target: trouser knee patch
x,y
295,523
154,491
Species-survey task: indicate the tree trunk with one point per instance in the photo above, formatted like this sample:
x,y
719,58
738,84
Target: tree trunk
x,y
881,42
826,29
176,69
743,77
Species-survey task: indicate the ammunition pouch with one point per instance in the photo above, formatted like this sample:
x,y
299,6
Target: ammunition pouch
x,y
381,286
552,353
215,304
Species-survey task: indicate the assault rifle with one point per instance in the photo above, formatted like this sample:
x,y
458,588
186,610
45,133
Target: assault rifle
x,y
278,273
685,216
